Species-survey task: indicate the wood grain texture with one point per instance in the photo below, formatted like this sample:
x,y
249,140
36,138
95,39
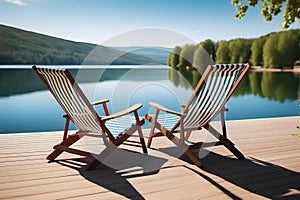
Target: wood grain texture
x,y
271,168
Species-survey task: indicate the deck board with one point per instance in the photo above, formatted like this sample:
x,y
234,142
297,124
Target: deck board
x,y
271,168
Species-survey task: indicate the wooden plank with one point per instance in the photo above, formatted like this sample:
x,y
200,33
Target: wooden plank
x,y
271,169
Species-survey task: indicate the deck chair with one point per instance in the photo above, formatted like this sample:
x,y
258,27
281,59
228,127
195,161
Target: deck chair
x,y
81,112
214,89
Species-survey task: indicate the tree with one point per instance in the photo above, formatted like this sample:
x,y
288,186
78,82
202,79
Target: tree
x,y
222,53
210,47
239,50
257,51
271,55
186,56
201,58
271,8
281,49
288,47
173,58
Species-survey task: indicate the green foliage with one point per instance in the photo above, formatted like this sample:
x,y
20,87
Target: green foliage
x,y
288,45
223,53
239,50
234,51
23,47
201,58
271,8
256,58
173,59
186,56
275,50
271,55
210,47
281,49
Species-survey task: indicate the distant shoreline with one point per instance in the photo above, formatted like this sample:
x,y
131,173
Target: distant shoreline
x,y
295,69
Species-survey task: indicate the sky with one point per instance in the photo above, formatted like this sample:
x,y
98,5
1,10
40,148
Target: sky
x,y
103,22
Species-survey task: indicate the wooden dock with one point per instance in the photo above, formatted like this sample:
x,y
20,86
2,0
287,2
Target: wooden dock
x,y
271,169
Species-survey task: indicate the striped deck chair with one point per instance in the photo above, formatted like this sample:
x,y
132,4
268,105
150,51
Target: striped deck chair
x,y
81,112
214,89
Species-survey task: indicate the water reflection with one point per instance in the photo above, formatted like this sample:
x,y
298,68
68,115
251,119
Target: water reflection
x,y
22,81
22,94
278,86
18,81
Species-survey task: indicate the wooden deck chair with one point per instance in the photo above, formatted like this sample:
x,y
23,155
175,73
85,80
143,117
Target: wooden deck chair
x,y
81,112
214,89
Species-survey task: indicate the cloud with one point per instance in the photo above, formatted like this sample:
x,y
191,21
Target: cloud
x,y
16,2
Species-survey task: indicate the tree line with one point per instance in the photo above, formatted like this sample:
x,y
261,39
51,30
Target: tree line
x,y
275,50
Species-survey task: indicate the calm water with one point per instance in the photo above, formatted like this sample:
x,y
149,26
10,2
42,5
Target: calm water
x,y
25,105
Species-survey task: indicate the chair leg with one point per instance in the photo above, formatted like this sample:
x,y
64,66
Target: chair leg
x,y
151,134
187,135
183,147
175,140
235,151
223,124
226,142
193,158
142,139
149,140
68,142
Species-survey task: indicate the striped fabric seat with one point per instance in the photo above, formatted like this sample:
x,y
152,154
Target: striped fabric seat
x,y
119,126
75,105
168,120
113,128
213,90
212,96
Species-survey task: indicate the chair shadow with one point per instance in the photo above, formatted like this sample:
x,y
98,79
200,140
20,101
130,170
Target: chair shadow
x,y
113,173
256,176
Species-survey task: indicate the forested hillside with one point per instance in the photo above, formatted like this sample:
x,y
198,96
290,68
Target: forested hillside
x,y
275,50
23,47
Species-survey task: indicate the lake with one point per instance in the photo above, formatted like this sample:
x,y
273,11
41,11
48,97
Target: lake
x,y
26,105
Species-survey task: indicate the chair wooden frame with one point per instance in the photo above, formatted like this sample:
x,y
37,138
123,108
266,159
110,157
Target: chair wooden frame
x,y
185,132
88,125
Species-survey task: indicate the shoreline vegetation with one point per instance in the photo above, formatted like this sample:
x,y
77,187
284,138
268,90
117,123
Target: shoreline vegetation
x,y
295,69
278,50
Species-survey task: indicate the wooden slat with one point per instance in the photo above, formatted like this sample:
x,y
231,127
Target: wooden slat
x,y
271,168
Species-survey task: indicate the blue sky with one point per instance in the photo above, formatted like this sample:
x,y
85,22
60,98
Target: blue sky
x,y
96,21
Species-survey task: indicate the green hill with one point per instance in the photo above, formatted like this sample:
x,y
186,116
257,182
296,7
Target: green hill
x,y
24,47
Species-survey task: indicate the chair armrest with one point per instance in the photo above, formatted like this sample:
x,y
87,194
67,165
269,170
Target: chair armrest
x,y
122,113
160,107
224,109
100,102
103,103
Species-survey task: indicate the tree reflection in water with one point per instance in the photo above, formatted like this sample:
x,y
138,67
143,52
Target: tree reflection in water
x,y
277,86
